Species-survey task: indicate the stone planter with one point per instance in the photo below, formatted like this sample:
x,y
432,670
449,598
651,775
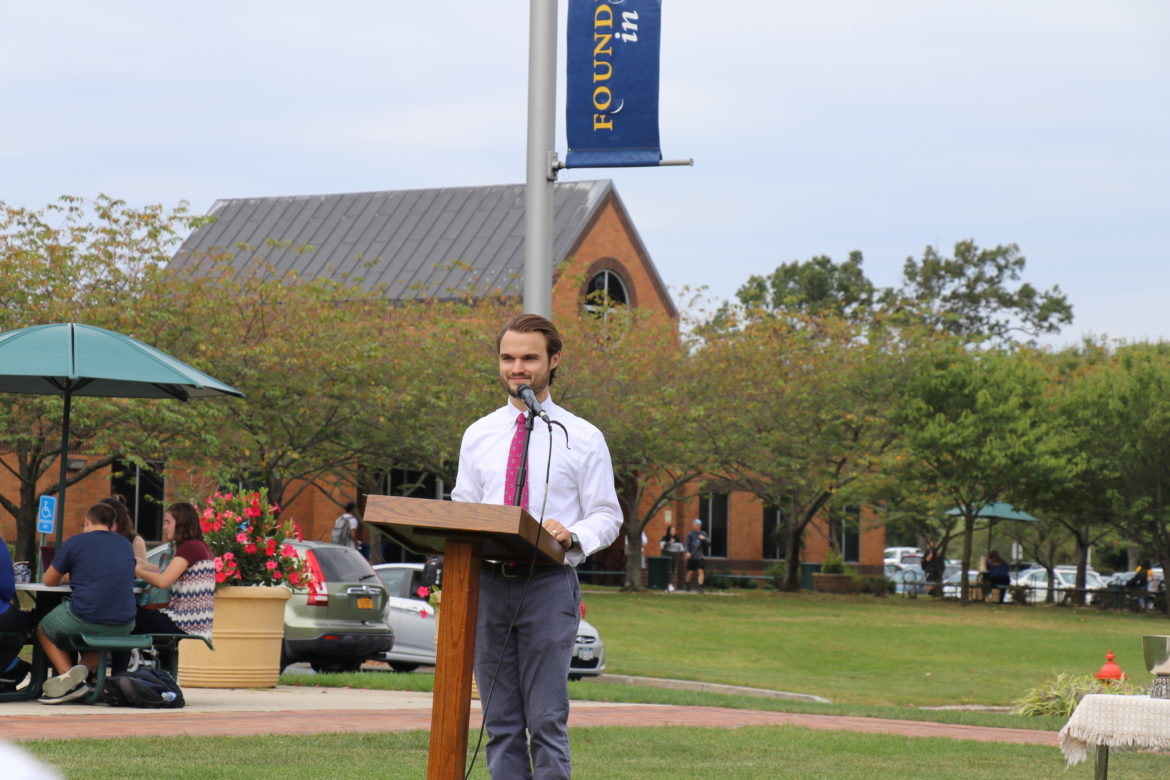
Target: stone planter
x,y
835,583
248,633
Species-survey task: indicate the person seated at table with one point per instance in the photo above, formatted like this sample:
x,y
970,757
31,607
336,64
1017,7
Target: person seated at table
x,y
190,574
999,576
13,620
100,566
124,524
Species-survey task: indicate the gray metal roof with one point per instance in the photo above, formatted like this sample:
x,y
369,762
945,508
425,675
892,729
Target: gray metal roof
x,y
418,243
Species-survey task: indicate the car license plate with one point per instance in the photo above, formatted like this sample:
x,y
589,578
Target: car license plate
x,y
365,602
585,653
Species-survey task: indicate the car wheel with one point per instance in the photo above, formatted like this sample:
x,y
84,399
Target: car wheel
x,y
400,666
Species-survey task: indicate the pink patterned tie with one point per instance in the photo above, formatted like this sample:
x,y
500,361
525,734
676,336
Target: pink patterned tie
x,y
515,455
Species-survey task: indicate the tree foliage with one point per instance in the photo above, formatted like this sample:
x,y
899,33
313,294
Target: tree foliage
x,y
98,262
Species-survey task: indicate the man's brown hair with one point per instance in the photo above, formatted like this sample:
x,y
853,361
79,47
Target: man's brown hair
x,y
534,323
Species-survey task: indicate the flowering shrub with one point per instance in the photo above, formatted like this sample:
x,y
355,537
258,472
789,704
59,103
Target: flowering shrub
x,y
250,541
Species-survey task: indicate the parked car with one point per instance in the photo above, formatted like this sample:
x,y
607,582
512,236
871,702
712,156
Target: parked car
x,y
337,626
898,553
1035,580
413,621
952,582
907,578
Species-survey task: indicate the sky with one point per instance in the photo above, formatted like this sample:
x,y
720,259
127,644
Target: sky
x,y
817,128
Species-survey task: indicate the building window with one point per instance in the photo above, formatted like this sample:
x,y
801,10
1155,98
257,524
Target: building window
x,y
404,482
847,532
143,489
713,513
605,291
775,523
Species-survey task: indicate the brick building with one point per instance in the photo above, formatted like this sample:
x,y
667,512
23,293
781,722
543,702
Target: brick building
x,y
454,242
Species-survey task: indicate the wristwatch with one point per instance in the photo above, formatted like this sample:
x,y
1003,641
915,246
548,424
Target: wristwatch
x,y
574,542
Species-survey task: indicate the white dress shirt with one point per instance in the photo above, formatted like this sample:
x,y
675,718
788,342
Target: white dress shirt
x,y
580,493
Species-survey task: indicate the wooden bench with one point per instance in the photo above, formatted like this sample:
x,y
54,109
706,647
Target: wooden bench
x,y
103,645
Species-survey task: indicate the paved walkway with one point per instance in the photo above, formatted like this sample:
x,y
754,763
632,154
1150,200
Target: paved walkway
x,y
212,712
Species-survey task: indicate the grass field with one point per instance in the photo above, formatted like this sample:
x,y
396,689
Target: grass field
x,y
861,650
602,753
878,657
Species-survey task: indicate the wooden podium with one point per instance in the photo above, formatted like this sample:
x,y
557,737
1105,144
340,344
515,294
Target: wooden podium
x,y
464,534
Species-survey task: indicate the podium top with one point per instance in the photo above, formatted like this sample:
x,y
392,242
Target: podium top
x,y
423,525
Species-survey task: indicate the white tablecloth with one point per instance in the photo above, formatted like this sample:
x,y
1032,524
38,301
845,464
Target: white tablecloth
x,y
1133,722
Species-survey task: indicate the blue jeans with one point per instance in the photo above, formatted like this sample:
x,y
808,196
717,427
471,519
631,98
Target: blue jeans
x,y
527,702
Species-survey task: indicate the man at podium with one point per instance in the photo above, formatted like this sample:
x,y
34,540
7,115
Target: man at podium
x,y
529,613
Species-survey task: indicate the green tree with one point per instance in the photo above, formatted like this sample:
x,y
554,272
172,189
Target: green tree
x,y
799,412
973,425
97,262
1136,393
629,374
817,286
973,296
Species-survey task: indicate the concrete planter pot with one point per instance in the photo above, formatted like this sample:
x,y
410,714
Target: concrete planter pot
x,y
248,633
835,583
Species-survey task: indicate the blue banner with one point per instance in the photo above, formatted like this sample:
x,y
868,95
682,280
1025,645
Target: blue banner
x,y
611,107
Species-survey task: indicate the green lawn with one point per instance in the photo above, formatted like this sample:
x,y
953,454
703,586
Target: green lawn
x,y
877,657
618,753
863,650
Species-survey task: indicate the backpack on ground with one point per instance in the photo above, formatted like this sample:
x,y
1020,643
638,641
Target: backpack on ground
x,y
143,687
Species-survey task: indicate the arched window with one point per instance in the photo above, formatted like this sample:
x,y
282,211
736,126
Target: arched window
x,y
604,291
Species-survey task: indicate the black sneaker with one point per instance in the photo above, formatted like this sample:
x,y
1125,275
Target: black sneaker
x,y
15,676
80,692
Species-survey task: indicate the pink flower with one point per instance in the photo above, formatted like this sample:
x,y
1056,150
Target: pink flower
x,y
423,591
250,548
242,537
270,565
220,577
270,546
227,556
288,551
219,564
276,575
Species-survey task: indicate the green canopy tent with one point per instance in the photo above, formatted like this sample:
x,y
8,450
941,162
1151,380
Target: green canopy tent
x,y
70,359
995,512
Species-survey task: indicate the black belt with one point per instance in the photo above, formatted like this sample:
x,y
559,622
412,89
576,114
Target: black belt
x,y
514,569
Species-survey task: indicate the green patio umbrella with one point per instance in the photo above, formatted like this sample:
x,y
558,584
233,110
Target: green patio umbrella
x,y
70,359
998,511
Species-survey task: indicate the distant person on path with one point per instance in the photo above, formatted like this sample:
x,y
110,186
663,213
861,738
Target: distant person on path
x,y
672,546
100,565
345,528
1139,583
933,563
697,548
998,574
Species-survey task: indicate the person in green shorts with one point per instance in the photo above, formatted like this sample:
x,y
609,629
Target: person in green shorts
x,y
99,564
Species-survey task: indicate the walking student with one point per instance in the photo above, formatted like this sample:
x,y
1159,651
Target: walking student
x,y
697,548
527,625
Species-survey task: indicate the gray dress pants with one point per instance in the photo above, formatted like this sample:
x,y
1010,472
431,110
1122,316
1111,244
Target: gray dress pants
x,y
527,700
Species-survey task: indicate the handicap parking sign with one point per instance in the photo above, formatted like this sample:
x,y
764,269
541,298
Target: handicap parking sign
x,y
47,515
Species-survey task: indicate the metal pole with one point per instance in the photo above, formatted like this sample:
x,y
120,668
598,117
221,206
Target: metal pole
x,y
541,156
64,467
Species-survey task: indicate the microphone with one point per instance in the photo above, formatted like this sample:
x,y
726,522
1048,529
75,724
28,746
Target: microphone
x,y
528,396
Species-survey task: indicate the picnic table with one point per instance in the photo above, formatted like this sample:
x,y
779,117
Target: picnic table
x,y
1107,721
